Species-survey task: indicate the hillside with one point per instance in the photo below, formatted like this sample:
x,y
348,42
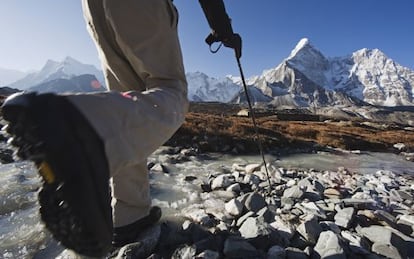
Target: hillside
x,y
215,127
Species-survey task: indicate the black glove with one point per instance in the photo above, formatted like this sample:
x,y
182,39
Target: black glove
x,y
220,24
234,42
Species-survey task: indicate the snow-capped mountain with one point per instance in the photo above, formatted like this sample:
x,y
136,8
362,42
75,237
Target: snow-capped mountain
x,y
53,70
202,88
385,82
307,77
82,83
366,74
8,76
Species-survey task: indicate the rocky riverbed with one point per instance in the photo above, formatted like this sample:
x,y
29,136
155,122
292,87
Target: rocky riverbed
x,y
236,211
222,207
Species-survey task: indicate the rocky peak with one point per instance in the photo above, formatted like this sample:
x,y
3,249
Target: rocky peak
x,y
306,55
384,82
371,58
205,88
309,60
302,45
52,70
50,65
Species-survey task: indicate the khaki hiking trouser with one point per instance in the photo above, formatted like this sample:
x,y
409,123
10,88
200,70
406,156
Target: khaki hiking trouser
x,y
138,45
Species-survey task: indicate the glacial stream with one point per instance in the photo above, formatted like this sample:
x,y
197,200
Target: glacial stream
x,y
22,235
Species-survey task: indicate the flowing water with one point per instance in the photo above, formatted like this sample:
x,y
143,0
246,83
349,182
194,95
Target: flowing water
x,y
365,162
22,234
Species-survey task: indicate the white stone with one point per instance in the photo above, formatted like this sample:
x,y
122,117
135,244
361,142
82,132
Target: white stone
x,y
249,169
344,217
399,146
234,207
237,167
254,227
196,215
407,219
283,227
234,188
291,183
215,207
386,179
352,238
328,245
221,181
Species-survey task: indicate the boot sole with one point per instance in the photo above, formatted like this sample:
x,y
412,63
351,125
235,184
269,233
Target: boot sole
x,y
70,157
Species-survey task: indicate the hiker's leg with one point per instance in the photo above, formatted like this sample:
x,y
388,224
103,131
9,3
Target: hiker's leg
x,y
140,51
131,189
119,74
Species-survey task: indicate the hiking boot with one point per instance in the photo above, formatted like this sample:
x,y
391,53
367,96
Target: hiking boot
x,y
129,233
70,157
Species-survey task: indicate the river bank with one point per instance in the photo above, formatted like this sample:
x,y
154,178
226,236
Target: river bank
x,y
221,206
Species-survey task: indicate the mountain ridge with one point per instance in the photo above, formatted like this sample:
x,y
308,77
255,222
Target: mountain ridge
x,y
8,76
81,83
305,78
367,74
52,70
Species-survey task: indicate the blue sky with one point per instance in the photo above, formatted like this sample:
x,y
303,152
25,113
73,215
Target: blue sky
x,y
34,31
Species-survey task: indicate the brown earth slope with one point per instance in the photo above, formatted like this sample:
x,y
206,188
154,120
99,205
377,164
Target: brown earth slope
x,y
215,127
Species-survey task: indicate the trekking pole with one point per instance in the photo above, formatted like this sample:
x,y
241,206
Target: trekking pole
x,y
220,23
253,116
235,42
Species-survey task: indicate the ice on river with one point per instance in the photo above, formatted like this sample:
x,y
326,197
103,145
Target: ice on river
x,y
22,234
363,162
